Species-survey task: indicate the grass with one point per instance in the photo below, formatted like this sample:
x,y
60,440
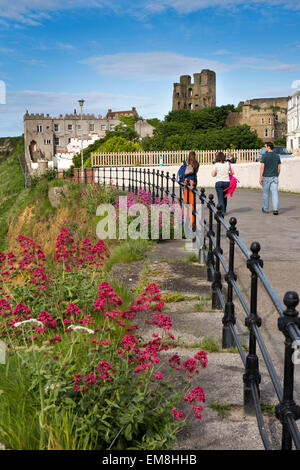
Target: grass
x,y
12,188
169,297
221,408
209,345
126,252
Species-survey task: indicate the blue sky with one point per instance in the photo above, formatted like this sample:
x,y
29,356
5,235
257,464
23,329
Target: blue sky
x,y
118,54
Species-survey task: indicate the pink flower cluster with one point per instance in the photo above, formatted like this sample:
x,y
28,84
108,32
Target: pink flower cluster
x,y
190,365
107,298
32,254
71,255
40,278
47,320
82,381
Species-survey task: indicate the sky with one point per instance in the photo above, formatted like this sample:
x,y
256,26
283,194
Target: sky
x,y
118,54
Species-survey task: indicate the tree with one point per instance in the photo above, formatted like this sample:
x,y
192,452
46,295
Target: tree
x,y
119,144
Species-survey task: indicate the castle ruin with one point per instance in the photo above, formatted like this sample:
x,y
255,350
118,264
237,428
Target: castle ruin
x,y
198,95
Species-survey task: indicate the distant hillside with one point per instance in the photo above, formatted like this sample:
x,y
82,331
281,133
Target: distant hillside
x,y
11,181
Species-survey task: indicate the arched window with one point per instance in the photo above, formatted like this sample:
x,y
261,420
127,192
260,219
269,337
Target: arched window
x,y
266,132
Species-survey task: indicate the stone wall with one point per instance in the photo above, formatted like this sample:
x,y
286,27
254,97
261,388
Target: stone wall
x,y
198,95
267,116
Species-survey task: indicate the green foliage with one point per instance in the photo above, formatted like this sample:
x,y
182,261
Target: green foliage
x,y
202,129
73,378
124,131
153,122
118,144
12,186
222,408
281,141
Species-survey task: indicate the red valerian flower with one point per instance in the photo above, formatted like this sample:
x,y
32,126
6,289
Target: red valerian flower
x,y
201,356
177,414
195,394
197,411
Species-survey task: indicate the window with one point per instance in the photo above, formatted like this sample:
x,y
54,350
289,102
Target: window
x,y
56,127
262,120
269,120
39,128
70,127
103,127
272,133
266,132
47,141
79,127
92,127
56,140
69,140
112,126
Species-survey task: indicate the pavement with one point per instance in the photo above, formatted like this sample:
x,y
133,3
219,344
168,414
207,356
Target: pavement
x,y
279,238
222,380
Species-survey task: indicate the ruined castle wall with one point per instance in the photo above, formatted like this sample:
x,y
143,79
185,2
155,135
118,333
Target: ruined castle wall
x,y
197,95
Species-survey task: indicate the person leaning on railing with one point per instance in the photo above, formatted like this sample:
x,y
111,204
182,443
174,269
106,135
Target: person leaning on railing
x,y
221,172
190,178
192,169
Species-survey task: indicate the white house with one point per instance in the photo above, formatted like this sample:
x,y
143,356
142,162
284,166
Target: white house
x,y
293,122
63,160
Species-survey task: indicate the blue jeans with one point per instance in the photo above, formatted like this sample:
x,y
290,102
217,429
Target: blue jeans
x,y
270,183
220,186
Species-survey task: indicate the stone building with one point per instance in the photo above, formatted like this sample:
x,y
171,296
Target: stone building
x,y
197,95
267,116
47,136
293,122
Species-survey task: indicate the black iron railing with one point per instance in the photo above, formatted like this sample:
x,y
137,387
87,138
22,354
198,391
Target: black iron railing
x,y
207,234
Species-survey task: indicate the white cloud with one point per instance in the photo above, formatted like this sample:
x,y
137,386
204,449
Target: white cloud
x,y
151,65
54,104
32,12
295,84
159,66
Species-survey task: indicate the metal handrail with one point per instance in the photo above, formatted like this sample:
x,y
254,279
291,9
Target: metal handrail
x,y
158,185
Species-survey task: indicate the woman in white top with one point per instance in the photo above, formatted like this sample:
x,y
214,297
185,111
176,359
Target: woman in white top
x,y
221,171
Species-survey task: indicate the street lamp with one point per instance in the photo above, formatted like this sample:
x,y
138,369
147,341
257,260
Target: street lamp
x,y
81,104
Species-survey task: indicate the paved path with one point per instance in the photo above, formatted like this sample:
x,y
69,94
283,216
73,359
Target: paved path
x,y
279,237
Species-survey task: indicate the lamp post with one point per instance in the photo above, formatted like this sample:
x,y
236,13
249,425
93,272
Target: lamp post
x,y
81,105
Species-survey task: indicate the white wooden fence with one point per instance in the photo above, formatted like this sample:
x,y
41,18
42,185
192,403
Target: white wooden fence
x,y
204,157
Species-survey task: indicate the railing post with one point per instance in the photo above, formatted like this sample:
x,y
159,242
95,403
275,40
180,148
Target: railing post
x,y
211,234
173,195
149,180
162,185
252,375
123,178
157,184
288,405
229,314
140,172
129,179
153,186
136,181
217,284
167,185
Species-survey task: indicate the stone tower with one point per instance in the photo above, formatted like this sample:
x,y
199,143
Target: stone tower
x,y
198,95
